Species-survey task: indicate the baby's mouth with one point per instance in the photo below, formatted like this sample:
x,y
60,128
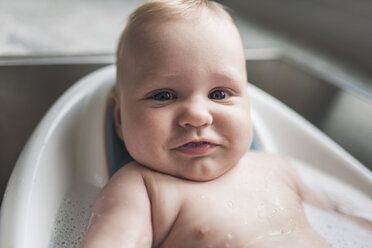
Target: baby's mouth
x,y
195,144
198,148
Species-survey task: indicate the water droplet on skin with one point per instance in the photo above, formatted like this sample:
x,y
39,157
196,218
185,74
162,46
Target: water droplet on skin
x,y
229,236
275,233
260,237
146,240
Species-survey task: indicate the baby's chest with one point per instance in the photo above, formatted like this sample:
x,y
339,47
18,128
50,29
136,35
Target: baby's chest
x,y
229,218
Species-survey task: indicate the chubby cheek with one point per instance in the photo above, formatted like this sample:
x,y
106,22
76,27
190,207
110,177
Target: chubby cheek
x,y
144,132
236,127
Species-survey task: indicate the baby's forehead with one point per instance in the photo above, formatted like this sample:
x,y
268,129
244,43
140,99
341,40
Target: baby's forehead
x,y
154,39
150,39
152,11
145,27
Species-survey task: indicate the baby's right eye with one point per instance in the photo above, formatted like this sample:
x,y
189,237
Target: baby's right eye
x,y
163,96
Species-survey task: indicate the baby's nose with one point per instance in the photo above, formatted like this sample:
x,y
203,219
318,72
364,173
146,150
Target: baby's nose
x,y
196,114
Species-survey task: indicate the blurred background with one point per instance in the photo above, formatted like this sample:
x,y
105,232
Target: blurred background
x,y
313,55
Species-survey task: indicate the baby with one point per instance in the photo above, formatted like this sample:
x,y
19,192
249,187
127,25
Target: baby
x,y
181,107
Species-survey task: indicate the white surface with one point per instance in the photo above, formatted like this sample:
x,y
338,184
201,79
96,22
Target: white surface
x,y
66,153
66,149
282,131
62,27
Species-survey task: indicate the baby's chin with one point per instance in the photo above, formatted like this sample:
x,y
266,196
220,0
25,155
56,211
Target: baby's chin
x,y
204,175
202,178
196,169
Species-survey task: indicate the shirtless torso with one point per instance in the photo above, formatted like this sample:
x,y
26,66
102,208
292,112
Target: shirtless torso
x,y
255,204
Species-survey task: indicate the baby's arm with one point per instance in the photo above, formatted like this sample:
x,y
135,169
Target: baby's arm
x,y
122,213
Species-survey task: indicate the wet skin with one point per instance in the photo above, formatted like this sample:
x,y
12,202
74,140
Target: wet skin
x,y
183,111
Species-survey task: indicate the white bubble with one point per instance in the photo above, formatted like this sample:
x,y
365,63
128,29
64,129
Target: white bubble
x,y
73,218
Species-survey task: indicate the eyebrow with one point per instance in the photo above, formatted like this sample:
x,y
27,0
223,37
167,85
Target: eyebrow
x,y
157,79
151,75
228,75
149,80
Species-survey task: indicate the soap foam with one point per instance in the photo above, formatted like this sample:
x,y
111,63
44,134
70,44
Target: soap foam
x,y
338,231
73,217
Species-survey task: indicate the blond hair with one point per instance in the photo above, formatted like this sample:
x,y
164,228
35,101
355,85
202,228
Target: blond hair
x,y
163,10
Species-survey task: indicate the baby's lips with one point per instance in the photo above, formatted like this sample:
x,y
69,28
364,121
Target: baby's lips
x,y
196,148
194,142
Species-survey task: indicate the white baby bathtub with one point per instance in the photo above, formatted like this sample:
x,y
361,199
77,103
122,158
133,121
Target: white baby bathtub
x,y
67,153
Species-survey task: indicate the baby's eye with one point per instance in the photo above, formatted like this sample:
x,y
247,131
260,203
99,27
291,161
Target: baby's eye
x,y
218,95
163,96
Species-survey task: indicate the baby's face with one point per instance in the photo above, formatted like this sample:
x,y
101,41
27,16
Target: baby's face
x,y
184,106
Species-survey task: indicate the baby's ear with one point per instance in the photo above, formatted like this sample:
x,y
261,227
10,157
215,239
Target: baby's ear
x,y
114,104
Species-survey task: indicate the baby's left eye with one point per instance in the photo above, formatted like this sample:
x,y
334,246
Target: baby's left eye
x,y
218,95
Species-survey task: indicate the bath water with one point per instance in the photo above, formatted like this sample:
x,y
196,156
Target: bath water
x,y
339,232
73,217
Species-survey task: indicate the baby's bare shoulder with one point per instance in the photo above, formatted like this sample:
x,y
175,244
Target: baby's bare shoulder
x,y
132,170
128,177
156,183
131,167
278,167
166,194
